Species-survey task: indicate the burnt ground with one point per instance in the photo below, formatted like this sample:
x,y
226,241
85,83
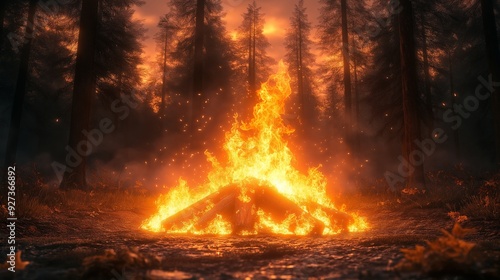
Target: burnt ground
x,y
61,246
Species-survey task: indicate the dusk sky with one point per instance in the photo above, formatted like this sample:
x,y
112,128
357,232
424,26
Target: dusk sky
x,y
277,15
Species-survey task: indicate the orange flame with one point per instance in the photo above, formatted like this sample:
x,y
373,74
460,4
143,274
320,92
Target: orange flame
x,y
257,151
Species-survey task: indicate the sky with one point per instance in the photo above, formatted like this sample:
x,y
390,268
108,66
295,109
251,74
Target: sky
x,y
276,13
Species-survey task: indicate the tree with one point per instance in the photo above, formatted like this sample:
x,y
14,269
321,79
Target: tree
x,y
118,50
208,72
163,39
347,68
20,92
2,16
409,83
83,89
299,59
198,90
252,45
493,54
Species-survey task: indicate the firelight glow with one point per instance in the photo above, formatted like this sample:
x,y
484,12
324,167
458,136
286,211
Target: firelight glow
x,y
257,152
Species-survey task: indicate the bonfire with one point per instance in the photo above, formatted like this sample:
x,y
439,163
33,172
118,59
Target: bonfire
x,y
256,189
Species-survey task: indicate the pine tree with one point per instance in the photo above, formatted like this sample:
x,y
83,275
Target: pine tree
x,y
84,88
493,54
411,116
214,93
20,92
252,45
300,59
164,40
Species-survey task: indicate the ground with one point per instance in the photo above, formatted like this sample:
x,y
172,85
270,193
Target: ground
x,y
108,244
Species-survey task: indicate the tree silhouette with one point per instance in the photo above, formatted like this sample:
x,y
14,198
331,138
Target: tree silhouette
x,y
84,88
409,83
252,45
493,54
299,59
20,92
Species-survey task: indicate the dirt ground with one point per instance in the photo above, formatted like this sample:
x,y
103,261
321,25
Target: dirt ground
x,y
110,245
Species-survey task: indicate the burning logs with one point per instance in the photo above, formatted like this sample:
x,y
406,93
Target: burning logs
x,y
246,207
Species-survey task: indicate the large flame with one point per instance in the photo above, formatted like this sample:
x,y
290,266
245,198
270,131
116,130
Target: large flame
x,y
256,151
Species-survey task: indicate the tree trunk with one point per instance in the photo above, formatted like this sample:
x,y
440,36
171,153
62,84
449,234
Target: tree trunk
x,y
164,76
427,75
411,120
197,93
2,16
347,70
22,78
83,89
356,106
454,101
493,54
300,77
252,37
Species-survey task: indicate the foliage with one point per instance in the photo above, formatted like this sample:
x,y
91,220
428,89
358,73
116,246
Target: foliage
x,y
40,198
485,205
114,263
251,32
448,254
300,60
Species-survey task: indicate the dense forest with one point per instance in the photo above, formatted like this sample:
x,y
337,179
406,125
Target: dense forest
x,y
380,89
199,139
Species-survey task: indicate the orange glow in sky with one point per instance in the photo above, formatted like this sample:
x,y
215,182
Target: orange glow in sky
x,y
276,13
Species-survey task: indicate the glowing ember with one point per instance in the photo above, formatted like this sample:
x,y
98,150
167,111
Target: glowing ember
x,y
257,189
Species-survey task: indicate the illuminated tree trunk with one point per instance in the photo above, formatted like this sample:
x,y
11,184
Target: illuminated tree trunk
x,y
300,75
164,75
347,70
83,89
197,93
22,78
493,54
411,120
252,37
356,104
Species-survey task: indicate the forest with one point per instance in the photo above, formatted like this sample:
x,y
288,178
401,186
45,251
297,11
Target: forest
x,y
133,130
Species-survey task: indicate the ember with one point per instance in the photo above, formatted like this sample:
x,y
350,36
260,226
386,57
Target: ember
x,y
257,189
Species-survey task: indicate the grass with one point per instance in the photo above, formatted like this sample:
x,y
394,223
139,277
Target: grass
x,y
37,199
447,255
477,197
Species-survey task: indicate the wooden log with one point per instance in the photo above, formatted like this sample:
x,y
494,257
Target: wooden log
x,y
280,207
224,206
244,217
337,219
197,208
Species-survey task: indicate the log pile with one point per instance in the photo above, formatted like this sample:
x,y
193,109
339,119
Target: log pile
x,y
238,204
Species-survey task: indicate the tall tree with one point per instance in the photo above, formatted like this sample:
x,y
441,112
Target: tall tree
x,y
83,89
164,38
300,58
409,83
20,92
205,69
2,16
198,90
252,45
347,66
493,54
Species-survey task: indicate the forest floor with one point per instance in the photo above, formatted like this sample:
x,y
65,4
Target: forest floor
x,y
88,241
